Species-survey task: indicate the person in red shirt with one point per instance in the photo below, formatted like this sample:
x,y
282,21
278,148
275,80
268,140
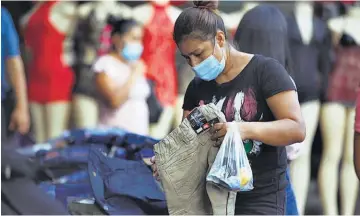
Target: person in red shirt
x,y
357,136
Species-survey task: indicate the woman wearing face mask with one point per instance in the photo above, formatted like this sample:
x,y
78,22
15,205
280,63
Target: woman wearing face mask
x,y
253,90
263,30
120,81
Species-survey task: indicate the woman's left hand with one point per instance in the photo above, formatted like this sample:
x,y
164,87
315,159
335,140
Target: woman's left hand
x,y
218,132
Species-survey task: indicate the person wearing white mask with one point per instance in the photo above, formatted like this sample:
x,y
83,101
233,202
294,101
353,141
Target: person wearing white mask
x,y
120,80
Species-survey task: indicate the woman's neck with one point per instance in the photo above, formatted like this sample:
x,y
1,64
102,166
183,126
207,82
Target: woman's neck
x,y
235,63
116,55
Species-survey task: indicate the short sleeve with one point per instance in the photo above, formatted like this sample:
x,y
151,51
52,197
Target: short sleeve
x,y
275,79
10,38
100,64
190,99
292,80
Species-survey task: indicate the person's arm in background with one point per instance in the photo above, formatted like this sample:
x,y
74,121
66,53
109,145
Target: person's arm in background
x,y
115,95
357,137
19,120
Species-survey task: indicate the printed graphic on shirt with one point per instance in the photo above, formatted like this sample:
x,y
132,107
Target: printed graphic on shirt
x,y
241,106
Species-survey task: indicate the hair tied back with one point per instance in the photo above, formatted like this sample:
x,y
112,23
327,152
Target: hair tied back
x,y
211,5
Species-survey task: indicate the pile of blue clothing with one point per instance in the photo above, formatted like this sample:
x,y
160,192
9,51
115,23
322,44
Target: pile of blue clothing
x,y
102,166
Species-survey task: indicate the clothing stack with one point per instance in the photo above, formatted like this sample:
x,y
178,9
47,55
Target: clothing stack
x,y
99,171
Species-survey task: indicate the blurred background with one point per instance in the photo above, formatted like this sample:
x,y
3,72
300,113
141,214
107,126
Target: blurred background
x,y
77,33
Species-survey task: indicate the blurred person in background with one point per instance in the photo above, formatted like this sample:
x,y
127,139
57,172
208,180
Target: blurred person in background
x,y
14,111
263,30
310,49
92,21
336,175
120,80
357,136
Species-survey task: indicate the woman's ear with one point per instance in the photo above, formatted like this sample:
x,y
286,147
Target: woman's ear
x,y
220,38
117,41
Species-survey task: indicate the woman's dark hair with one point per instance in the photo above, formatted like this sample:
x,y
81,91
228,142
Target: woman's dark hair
x,y
263,30
200,22
121,26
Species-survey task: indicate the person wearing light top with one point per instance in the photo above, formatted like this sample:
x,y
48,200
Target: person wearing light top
x,y
120,80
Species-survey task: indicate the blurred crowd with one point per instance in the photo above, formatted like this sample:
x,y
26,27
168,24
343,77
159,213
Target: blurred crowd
x,y
75,77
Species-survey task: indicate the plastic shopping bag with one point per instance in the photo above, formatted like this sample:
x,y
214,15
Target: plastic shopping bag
x,y
231,168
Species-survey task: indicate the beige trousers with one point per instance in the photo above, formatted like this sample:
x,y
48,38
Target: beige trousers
x,y
49,120
85,111
183,159
337,128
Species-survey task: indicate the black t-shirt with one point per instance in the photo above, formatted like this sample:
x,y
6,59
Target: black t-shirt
x,y
244,99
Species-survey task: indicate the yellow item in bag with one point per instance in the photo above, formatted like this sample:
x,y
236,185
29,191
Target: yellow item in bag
x,y
244,176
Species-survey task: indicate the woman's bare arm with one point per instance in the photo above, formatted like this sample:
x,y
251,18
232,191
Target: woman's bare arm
x,y
289,127
114,95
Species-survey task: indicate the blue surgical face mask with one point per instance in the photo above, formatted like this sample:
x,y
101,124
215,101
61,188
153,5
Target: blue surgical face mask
x,y
210,68
132,51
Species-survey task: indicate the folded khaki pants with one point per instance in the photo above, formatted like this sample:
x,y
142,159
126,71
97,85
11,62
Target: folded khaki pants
x,y
184,158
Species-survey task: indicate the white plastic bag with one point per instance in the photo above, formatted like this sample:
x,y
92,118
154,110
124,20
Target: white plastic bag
x,y
231,168
294,151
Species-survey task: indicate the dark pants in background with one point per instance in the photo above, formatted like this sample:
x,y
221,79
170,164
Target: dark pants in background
x,y
291,205
7,106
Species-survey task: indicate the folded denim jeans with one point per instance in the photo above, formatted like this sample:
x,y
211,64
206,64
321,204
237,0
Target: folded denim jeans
x,y
73,178
61,192
95,135
76,207
119,185
72,155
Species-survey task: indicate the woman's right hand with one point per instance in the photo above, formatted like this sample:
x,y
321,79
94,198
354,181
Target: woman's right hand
x,y
154,168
